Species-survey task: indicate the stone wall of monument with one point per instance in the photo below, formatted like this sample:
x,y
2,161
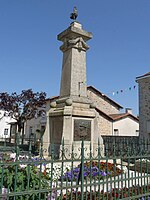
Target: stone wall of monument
x,y
102,103
144,107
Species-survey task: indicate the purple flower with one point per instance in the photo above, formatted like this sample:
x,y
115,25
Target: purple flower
x,y
76,170
95,174
68,175
103,173
85,174
95,168
87,171
143,198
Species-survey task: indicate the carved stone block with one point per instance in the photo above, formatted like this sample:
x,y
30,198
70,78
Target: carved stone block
x,y
82,129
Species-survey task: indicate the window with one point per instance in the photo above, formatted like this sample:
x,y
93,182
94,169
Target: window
x,y
137,132
6,131
116,132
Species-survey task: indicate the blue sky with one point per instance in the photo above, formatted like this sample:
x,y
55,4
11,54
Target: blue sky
x,y
119,51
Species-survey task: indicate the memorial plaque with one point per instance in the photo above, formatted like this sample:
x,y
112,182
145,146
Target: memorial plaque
x,y
82,129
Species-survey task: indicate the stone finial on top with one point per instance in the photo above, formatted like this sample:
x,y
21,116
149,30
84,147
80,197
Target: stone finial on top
x,y
74,15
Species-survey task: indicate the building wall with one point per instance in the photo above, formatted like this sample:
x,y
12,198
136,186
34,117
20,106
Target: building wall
x,y
144,107
31,126
104,126
103,104
4,128
5,125
126,127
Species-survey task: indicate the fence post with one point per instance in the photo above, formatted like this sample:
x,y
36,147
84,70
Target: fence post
x,y
17,146
81,173
41,147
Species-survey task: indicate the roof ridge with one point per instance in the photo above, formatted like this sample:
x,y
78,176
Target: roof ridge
x,y
102,94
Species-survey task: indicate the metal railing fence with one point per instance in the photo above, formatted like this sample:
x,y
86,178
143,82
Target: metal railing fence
x,y
78,172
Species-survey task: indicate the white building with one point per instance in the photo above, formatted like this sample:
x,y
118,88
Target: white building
x,y
5,125
125,124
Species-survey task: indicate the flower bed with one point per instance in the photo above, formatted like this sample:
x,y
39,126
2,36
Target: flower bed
x,y
33,173
141,165
96,170
21,174
112,195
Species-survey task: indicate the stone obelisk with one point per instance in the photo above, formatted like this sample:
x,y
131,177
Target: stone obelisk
x,y
73,116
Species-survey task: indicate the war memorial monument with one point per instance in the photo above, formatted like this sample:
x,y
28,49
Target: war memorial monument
x,y
72,117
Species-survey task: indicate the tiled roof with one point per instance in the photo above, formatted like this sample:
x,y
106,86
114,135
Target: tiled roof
x,y
104,114
143,76
104,96
116,117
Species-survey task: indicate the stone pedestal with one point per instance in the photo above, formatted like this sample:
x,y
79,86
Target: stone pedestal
x,y
72,123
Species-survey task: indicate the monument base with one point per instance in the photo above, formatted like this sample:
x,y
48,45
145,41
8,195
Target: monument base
x,y
70,125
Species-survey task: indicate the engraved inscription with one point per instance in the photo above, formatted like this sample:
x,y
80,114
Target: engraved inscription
x,y
82,129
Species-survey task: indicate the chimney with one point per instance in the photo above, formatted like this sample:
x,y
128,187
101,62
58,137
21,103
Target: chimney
x,y
129,110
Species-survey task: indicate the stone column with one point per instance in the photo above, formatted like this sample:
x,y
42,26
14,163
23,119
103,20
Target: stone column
x,y
73,80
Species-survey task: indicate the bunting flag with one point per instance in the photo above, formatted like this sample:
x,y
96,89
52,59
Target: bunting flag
x,y
124,90
132,88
